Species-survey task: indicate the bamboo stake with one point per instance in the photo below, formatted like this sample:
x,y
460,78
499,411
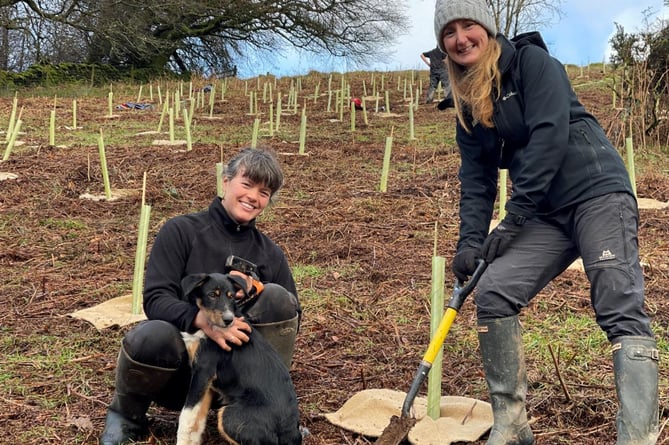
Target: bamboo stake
x,y
219,179
140,253
629,146
278,110
437,304
170,114
74,114
295,102
12,116
318,86
254,136
271,119
303,130
255,102
163,113
364,111
212,101
192,108
52,128
103,166
189,140
12,138
111,104
386,162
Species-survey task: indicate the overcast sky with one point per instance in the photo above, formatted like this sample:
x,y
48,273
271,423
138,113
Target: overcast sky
x,y
580,37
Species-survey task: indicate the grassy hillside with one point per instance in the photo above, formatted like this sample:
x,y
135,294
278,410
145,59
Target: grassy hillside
x,y
361,256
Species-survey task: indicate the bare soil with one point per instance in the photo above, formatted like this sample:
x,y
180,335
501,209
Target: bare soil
x,y
366,319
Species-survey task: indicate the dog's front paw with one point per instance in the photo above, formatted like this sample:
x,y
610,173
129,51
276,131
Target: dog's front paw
x,y
191,426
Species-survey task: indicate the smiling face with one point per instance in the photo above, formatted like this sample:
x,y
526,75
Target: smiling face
x,y
243,199
465,41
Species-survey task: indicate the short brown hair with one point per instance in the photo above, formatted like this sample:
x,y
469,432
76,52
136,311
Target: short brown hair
x,y
259,165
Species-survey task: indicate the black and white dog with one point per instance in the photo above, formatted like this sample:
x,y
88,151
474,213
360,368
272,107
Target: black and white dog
x,y
254,385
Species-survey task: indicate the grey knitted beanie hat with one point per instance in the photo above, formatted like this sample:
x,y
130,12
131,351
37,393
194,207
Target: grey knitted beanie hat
x,y
446,11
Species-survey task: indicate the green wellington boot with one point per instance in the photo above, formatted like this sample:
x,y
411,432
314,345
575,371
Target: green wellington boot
x,y
504,365
635,366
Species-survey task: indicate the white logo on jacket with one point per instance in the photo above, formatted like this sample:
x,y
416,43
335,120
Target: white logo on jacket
x,y
509,95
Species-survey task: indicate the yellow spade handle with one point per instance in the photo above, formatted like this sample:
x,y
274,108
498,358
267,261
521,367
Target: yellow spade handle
x,y
440,335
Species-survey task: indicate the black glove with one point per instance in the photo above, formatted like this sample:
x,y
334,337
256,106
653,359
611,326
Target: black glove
x,y
501,237
464,262
446,103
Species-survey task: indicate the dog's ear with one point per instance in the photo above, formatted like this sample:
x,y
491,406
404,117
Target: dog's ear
x,y
190,282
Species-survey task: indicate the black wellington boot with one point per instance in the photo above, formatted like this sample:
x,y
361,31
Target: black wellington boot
x,y
136,384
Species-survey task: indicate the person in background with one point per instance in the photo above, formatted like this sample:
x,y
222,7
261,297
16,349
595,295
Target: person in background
x,y
571,197
438,73
153,364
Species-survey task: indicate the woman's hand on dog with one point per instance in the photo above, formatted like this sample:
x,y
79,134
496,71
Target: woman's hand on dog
x,y
236,333
248,279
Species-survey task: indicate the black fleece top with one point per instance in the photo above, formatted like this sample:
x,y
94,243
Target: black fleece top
x,y
556,152
200,243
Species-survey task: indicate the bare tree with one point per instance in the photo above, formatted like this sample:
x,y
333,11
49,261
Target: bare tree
x,y
188,34
516,16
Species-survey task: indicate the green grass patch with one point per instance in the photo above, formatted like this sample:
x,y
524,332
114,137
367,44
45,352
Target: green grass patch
x,y
306,271
63,224
44,355
556,332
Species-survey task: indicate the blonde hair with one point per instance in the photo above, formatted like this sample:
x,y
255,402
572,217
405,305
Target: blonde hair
x,y
473,87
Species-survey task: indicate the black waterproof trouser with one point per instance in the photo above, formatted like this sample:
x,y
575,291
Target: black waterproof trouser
x,y
437,76
603,231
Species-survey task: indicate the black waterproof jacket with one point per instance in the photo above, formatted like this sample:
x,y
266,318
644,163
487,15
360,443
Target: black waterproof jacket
x,y
556,152
200,243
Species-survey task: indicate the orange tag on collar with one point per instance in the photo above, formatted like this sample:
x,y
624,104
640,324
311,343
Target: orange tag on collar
x,y
258,286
